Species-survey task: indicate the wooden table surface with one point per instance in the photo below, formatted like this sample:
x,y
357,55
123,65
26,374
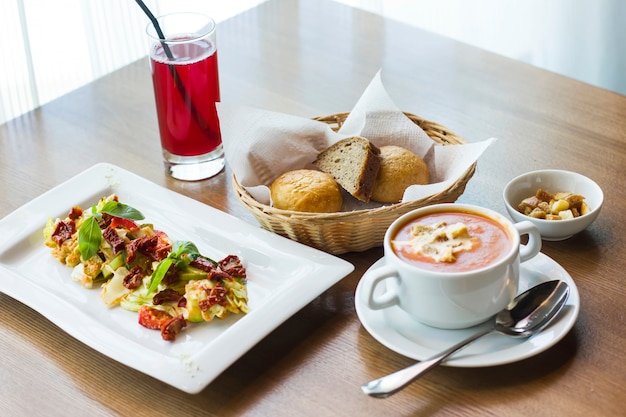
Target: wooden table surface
x,y
313,58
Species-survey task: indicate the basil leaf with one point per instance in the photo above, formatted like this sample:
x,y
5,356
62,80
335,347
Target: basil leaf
x,y
124,211
89,238
181,247
159,273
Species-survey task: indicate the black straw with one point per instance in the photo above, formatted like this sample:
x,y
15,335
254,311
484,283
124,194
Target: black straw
x,y
179,85
155,23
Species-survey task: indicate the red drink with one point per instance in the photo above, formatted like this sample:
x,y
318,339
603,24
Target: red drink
x,y
185,93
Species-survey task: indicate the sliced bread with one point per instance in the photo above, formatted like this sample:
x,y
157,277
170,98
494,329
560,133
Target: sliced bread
x,y
354,163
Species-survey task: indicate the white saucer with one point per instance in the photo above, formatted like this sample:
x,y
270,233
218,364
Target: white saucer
x,y
396,330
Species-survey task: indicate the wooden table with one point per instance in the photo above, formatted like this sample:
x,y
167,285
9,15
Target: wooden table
x,y
313,58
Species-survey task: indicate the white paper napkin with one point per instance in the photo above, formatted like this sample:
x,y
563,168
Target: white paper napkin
x,y
260,145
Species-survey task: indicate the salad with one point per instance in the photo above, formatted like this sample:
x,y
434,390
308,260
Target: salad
x,y
139,268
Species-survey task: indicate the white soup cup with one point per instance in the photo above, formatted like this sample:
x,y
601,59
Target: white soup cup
x,y
448,299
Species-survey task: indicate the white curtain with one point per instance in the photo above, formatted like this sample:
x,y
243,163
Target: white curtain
x,y
52,47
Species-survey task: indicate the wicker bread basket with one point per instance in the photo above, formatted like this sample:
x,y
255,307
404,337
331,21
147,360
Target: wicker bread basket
x,y
352,231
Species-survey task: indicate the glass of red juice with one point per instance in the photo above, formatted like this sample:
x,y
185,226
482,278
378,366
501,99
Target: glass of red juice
x,y
183,62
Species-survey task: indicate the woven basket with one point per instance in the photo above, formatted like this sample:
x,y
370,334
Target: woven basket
x,y
352,231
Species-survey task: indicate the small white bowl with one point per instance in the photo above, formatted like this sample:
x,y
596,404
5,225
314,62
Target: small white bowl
x,y
554,180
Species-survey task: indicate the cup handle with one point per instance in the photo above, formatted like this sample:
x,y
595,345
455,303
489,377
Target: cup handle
x,y
391,295
533,246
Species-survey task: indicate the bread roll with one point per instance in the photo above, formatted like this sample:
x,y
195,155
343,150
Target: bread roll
x,y
306,190
354,163
399,168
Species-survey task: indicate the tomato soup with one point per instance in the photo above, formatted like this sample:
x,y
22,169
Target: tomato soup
x,y
485,242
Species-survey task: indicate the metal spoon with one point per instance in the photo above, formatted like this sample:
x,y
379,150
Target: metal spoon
x,y
530,312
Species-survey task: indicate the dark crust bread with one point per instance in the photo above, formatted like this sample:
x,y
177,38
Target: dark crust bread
x,y
354,163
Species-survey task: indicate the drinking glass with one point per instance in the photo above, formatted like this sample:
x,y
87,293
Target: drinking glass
x,y
183,62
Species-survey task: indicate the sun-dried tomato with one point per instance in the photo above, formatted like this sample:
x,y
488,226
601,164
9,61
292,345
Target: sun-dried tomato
x,y
144,244
216,296
232,266
166,295
202,264
63,230
217,275
133,280
111,236
173,327
75,213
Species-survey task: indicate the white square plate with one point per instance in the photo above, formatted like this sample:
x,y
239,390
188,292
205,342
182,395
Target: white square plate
x,y
283,276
